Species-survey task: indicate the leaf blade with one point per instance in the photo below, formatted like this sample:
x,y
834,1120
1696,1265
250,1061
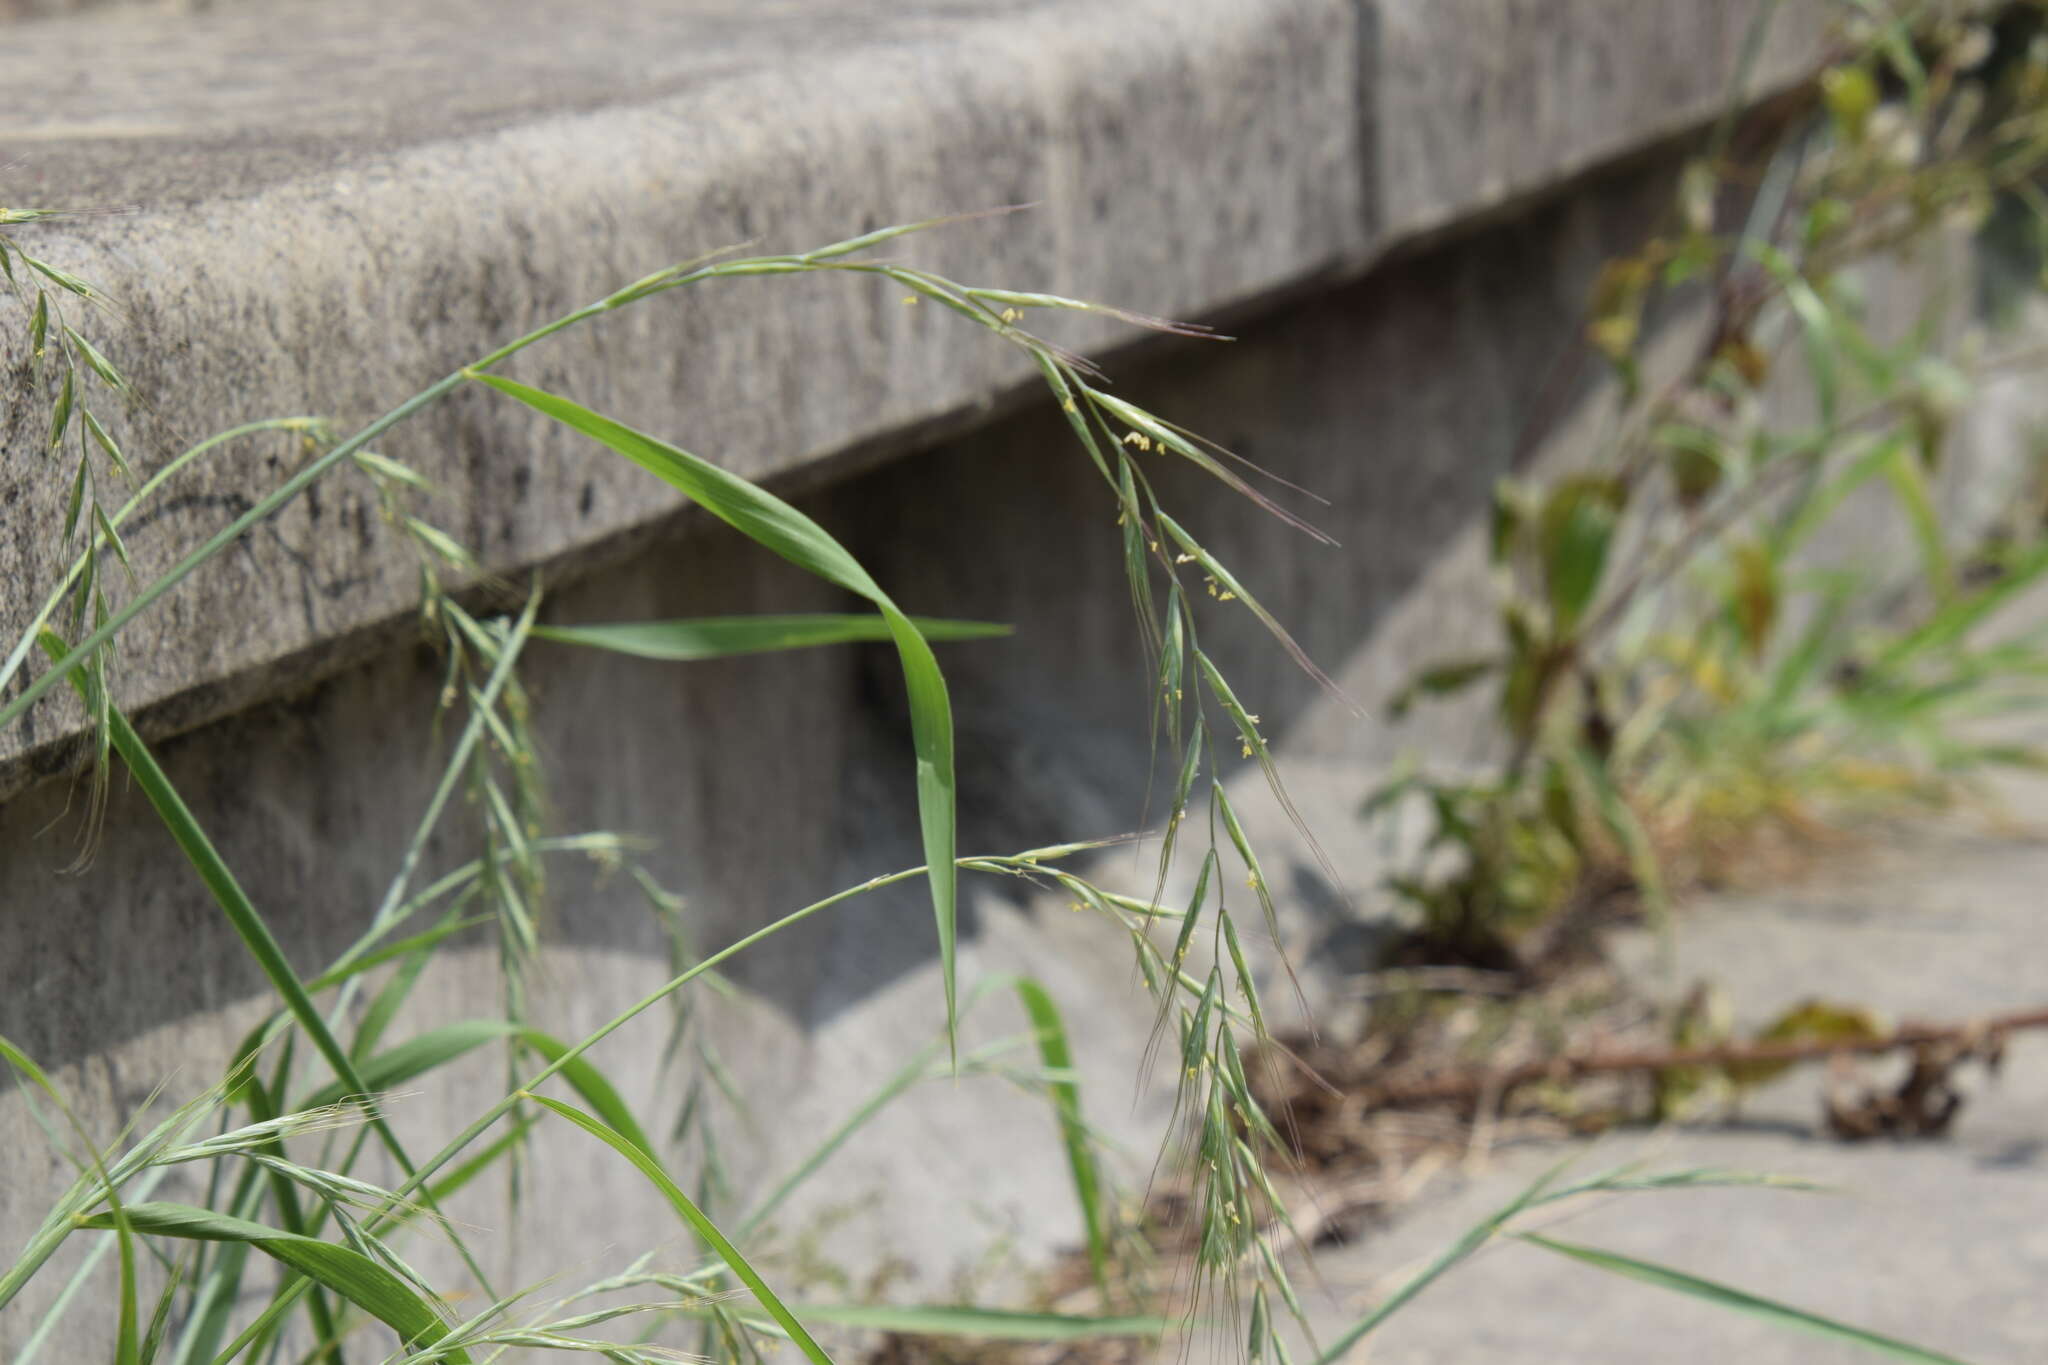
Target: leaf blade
x,y
1737,1300
644,1161
776,525
343,1270
686,641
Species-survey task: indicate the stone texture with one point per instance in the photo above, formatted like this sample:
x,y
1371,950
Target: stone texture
x,y
1475,102
769,782
1938,1242
330,227
326,223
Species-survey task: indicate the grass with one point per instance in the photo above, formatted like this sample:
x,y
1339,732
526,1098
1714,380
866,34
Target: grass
x,y
295,1116
1700,650
269,1199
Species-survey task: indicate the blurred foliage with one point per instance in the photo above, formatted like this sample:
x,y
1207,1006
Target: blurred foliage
x,y
1686,659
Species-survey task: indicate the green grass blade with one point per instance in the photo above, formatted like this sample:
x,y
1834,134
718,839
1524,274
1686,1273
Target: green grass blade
x,y
1475,1237
907,1076
1962,615
346,1272
44,1242
242,914
27,1066
775,525
1909,485
391,996
160,1320
1054,1051
724,636
127,1339
265,1323
437,1047
1740,1301
25,643
643,1160
476,1165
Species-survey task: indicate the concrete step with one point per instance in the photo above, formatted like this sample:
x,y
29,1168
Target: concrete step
x,y
1937,1242
323,208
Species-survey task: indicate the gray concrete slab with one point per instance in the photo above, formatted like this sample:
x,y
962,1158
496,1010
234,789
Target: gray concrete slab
x,y
1943,1243
334,205
767,782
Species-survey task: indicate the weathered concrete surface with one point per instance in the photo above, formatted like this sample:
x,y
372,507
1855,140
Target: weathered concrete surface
x,y
325,224
1189,158
772,781
1939,1243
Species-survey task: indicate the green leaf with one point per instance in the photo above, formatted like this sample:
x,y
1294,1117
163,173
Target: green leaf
x,y
26,1065
644,1161
1818,323
127,1341
906,1076
341,1269
1724,1296
1807,1019
160,1319
777,526
1754,594
234,902
1475,1237
1851,96
1908,479
76,503
720,637
1441,680
437,1047
1635,841
1575,531
1958,617
1053,1050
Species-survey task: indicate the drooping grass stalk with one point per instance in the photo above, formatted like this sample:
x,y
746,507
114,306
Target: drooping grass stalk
x,y
417,1177
43,616
660,282
250,925
767,519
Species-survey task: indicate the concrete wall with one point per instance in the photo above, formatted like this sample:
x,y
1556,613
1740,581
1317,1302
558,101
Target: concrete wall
x,y
296,250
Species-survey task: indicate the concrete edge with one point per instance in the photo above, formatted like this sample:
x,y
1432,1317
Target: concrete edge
x,y
1190,157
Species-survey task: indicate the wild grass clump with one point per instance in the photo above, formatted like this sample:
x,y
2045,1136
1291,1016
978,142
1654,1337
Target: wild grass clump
x,y
322,1059
1702,654
294,1253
